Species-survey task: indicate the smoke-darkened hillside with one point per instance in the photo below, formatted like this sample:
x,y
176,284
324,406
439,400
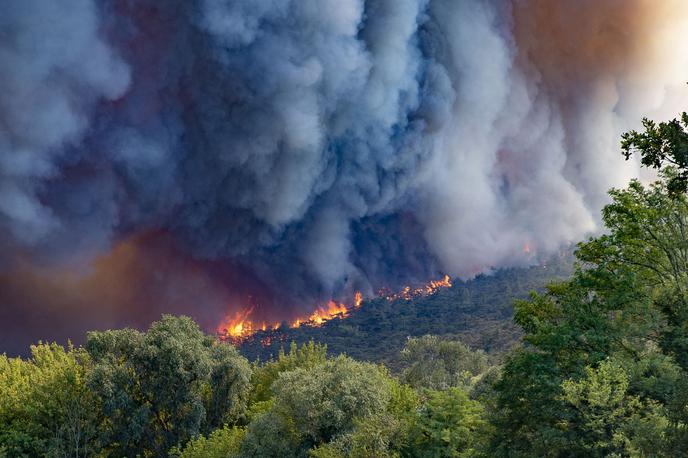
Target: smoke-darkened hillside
x,y
478,311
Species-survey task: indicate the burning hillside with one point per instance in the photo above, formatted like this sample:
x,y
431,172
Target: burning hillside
x,y
240,326
477,311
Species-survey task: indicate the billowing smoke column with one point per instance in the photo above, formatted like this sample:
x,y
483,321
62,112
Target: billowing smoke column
x,y
287,151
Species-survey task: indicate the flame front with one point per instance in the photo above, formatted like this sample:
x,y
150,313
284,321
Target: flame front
x,y
237,327
407,293
332,311
240,327
322,314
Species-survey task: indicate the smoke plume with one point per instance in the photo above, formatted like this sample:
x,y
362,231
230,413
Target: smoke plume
x,y
279,152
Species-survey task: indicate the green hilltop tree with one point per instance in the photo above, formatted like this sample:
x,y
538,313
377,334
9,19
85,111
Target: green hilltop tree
x,y
221,443
626,301
161,388
614,422
659,145
449,424
386,433
46,408
439,364
264,375
313,406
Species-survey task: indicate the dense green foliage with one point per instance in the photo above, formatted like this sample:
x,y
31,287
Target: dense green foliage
x,y
162,388
602,370
434,363
126,393
305,357
221,443
46,408
449,424
661,144
313,406
175,391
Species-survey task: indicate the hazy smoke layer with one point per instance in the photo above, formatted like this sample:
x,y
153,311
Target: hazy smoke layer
x,y
319,146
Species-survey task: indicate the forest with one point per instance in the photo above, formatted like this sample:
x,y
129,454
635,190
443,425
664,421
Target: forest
x,y
600,369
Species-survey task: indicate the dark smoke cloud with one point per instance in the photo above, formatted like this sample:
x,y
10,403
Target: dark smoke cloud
x,y
55,68
316,146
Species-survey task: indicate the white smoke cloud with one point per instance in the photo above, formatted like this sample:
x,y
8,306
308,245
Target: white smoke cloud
x,y
536,126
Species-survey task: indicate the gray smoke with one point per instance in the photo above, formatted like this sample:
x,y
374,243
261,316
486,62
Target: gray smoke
x,y
54,67
324,145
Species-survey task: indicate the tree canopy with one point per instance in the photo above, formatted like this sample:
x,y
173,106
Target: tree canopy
x,y
662,144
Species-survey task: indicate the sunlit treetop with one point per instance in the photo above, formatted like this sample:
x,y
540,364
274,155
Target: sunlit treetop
x,y
661,144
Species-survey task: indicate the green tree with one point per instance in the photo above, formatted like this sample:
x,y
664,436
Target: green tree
x,y
229,384
438,364
626,301
306,356
614,422
221,443
374,436
385,434
316,405
449,424
158,389
273,435
46,408
662,144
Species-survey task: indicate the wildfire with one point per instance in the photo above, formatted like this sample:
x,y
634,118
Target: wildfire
x,y
407,293
322,314
240,326
237,327
435,285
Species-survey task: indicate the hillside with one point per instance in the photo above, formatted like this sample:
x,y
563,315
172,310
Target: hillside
x,y
478,312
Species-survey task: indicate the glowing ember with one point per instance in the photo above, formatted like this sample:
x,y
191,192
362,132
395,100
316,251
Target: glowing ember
x,y
240,327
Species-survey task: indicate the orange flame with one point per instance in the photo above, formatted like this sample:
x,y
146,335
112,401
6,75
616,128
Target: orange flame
x,y
407,293
321,314
240,327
